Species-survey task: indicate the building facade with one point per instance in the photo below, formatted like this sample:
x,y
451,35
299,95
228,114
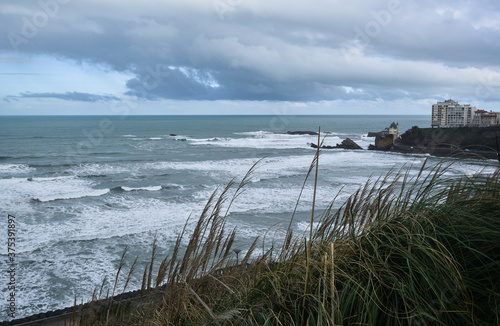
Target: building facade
x,y
451,114
394,130
484,118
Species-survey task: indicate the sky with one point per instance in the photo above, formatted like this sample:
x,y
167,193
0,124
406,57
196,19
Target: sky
x,y
108,57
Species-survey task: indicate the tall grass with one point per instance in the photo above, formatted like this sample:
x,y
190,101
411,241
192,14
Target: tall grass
x,y
402,250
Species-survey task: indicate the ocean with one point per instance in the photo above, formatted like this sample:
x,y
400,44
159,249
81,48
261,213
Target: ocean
x,y
82,188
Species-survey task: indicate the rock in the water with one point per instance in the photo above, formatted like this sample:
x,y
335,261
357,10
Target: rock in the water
x,y
348,143
300,132
384,143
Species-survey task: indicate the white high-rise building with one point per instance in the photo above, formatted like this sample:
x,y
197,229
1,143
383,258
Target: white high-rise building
x,y
449,114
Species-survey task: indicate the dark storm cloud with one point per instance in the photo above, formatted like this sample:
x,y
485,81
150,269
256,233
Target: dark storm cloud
x,y
278,50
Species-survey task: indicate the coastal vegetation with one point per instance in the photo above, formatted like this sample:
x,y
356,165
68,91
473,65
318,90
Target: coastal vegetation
x,y
405,249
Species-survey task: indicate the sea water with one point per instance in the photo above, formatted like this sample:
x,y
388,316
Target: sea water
x,y
83,188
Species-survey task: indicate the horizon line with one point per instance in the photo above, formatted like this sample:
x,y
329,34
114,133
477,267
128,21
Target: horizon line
x,y
195,115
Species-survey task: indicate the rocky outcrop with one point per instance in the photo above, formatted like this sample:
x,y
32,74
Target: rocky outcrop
x,y
300,132
465,137
347,143
472,142
384,143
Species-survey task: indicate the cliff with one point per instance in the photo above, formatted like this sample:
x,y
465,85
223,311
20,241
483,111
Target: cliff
x,y
383,143
461,142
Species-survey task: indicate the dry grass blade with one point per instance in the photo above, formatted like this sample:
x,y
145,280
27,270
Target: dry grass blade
x,y
144,280
153,257
246,179
130,273
200,300
249,252
120,266
162,272
311,227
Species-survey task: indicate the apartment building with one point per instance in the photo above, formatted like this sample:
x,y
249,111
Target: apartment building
x,y
484,118
451,114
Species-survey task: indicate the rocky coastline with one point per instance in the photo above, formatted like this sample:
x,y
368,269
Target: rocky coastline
x,y
463,142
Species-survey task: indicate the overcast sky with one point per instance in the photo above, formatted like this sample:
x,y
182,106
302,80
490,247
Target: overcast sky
x,y
247,56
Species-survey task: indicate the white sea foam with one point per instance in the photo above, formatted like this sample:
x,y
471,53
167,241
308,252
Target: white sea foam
x,y
262,139
14,169
178,137
155,138
18,192
152,188
333,164
281,198
269,140
269,168
257,134
101,169
306,226
73,195
97,222
96,235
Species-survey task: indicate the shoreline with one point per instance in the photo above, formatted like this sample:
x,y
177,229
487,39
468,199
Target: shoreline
x,y
462,142
441,151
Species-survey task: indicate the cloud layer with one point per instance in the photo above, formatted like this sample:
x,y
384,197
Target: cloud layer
x,y
269,50
68,96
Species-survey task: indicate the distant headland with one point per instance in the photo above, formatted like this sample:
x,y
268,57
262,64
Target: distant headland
x,y
470,142
456,130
